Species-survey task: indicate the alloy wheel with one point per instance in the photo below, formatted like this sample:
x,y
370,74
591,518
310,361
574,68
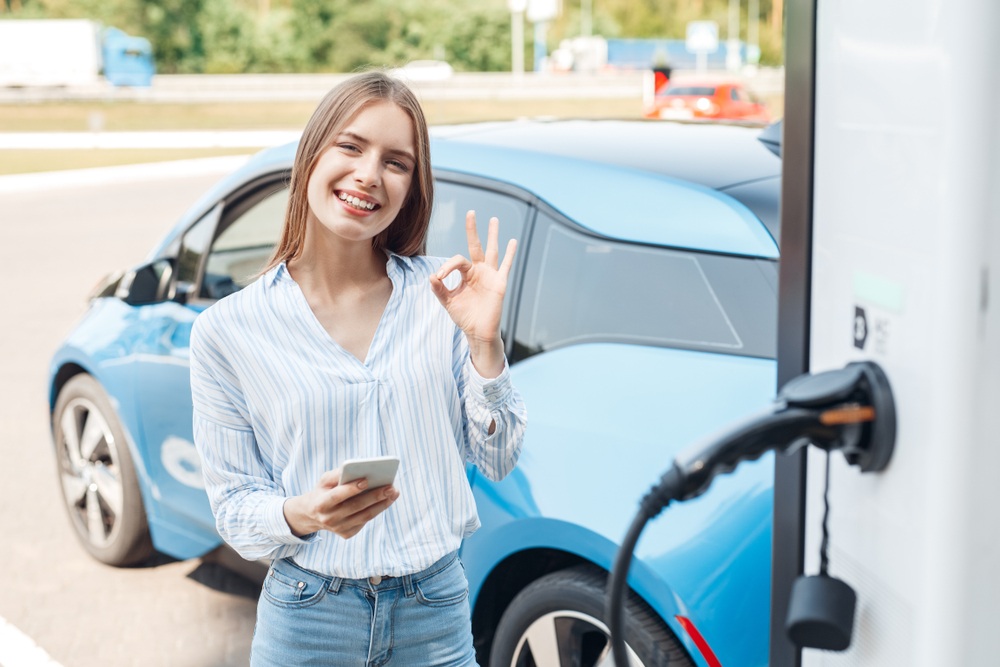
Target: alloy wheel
x,y
562,638
90,472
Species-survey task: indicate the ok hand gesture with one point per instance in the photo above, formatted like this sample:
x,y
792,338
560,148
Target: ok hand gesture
x,y
477,303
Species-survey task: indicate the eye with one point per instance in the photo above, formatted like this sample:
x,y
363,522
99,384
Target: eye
x,y
399,165
349,147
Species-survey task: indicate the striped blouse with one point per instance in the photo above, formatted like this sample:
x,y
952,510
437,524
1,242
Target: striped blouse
x,y
277,402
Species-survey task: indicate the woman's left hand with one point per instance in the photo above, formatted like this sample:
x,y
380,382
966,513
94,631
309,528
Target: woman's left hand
x,y
477,303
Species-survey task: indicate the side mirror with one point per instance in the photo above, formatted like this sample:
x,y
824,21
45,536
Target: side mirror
x,y
107,287
146,284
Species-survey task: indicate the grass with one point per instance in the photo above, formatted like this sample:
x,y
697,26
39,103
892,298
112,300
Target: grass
x,y
28,161
130,116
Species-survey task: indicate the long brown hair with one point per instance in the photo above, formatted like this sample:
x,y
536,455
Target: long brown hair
x,y
407,234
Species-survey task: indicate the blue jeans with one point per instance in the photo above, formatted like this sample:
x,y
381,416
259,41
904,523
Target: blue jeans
x,y
420,620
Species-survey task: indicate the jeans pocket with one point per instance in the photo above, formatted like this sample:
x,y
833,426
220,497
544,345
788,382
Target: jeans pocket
x,y
444,588
290,586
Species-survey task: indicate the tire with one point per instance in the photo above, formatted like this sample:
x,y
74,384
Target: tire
x,y
563,615
97,477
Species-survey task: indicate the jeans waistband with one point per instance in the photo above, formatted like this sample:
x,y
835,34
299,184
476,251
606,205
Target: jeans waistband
x,y
334,583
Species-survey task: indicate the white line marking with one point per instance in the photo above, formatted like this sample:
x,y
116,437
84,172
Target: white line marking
x,y
129,173
18,650
175,139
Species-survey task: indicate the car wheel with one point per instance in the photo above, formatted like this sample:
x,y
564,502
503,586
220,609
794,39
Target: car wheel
x,y
98,479
558,621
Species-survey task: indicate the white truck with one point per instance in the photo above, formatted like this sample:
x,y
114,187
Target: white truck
x,y
50,52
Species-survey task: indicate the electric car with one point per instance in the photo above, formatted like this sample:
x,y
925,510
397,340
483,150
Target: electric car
x,y
640,316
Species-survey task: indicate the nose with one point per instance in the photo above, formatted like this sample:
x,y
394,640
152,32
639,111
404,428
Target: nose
x,y
368,171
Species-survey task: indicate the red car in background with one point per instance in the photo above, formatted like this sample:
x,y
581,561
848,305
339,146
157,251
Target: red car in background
x,y
688,100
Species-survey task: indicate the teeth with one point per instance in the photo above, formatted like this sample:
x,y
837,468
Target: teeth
x,y
356,202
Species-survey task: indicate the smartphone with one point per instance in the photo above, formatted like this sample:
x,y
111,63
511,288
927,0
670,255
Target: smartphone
x,y
378,470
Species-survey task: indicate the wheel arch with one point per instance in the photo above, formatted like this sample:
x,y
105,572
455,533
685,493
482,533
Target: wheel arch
x,y
64,373
525,560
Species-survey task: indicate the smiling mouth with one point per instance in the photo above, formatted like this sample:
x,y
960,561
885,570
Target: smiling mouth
x,y
355,202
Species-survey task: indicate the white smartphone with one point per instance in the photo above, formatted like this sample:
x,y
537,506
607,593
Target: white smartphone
x,y
378,470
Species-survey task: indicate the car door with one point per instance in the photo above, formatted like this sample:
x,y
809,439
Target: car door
x,y
624,354
218,255
454,195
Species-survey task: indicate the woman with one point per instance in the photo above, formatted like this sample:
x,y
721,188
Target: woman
x,y
341,350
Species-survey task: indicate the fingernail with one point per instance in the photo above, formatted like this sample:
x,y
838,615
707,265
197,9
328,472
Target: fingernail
x,y
363,484
389,492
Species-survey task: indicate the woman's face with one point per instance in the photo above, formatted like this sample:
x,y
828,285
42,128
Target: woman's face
x,y
363,178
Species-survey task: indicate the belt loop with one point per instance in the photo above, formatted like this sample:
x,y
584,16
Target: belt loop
x,y
408,585
335,585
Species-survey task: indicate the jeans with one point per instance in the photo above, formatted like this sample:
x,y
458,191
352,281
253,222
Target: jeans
x,y
420,620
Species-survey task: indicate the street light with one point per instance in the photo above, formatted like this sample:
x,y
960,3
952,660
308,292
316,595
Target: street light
x,y
517,8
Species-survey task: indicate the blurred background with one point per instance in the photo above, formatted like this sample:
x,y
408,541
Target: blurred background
x,y
116,115
110,66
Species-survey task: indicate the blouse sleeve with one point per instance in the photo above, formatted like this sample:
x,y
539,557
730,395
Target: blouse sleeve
x,y
485,402
247,502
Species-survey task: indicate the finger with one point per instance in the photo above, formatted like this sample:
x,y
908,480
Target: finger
x,y
364,516
363,501
330,478
475,248
343,493
492,245
508,258
457,262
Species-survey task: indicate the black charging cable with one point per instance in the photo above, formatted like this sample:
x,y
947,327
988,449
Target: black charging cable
x,y
824,558
670,488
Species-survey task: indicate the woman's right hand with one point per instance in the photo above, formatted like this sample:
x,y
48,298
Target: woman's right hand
x,y
340,509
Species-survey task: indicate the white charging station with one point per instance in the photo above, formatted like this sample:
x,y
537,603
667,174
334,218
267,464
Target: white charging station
x,y
897,254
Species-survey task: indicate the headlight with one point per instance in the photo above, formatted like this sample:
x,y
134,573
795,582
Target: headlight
x,y
703,104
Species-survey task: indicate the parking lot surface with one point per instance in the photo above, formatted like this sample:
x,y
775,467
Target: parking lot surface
x,y
55,246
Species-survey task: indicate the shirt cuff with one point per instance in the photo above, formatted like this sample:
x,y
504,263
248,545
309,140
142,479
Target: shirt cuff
x,y
494,392
278,529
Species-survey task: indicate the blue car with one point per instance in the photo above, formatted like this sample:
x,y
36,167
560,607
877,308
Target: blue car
x,y
641,316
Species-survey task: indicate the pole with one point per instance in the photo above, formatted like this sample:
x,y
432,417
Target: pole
x,y
586,17
517,45
733,37
753,31
541,50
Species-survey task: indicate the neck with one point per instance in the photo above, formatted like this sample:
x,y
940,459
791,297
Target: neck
x,y
333,265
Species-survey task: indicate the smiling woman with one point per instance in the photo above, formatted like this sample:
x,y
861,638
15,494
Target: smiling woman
x,y
350,345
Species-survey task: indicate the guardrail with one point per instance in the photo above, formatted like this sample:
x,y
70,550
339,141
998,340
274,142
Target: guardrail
x,y
204,88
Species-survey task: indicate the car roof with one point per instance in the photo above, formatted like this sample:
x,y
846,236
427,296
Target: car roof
x,y
711,154
646,182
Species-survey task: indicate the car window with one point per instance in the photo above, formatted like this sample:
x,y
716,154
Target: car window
x,y
194,245
242,249
734,95
704,91
446,235
581,289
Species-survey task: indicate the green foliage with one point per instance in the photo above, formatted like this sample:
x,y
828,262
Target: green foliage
x,y
343,35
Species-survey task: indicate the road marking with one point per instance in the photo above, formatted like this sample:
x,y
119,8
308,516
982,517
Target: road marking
x,y
174,139
129,173
18,650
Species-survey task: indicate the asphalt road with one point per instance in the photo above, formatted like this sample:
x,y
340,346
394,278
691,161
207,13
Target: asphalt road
x,y
54,246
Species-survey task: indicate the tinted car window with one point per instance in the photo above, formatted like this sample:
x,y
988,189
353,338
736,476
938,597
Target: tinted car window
x,y
446,236
704,91
194,245
733,95
581,289
242,249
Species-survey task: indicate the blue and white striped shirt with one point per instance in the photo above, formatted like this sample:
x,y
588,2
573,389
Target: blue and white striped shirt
x,y
277,402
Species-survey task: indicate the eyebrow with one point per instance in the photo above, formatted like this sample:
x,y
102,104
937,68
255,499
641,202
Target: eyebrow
x,y
358,137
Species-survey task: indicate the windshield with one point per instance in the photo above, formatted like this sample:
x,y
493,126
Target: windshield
x,y
704,91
